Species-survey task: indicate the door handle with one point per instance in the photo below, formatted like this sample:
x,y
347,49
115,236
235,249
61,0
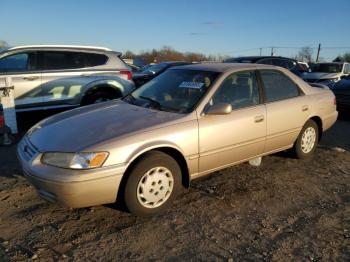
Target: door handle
x,y
305,108
258,119
30,78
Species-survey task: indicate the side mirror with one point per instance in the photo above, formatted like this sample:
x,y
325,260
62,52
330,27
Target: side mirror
x,y
219,109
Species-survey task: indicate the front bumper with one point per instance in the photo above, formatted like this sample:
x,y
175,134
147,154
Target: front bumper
x,y
72,188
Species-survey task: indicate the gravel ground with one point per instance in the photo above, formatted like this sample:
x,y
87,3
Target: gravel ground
x,y
286,209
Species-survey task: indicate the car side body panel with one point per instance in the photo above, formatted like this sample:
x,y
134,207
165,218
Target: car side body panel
x,y
225,139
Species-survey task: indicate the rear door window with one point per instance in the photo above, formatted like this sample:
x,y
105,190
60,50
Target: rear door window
x,y
62,60
278,86
57,60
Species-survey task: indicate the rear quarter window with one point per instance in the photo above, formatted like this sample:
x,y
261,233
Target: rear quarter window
x,y
92,59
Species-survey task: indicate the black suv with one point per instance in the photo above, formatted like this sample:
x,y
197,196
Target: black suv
x,y
151,71
285,62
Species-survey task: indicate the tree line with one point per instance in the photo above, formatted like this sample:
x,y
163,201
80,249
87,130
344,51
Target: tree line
x,y
167,53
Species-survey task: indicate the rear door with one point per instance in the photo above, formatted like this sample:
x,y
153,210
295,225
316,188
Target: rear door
x,y
64,73
287,109
26,78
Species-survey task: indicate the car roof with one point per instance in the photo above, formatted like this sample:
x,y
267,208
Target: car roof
x,y
331,63
60,46
175,62
256,58
221,67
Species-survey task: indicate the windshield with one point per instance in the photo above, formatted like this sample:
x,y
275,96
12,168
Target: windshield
x,y
327,68
176,90
154,69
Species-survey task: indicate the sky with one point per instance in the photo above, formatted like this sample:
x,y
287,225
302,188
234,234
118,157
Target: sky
x,y
220,27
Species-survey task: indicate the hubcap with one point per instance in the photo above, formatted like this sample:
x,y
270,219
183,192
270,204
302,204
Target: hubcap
x,y
155,187
308,140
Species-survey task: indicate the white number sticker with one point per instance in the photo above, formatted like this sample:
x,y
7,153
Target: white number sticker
x,y
194,85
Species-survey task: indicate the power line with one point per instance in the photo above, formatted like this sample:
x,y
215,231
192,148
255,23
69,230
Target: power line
x,y
287,47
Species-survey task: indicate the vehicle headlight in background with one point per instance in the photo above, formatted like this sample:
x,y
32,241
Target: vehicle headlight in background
x,y
82,160
329,82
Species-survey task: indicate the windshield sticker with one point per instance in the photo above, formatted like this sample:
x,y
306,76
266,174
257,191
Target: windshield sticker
x,y
194,85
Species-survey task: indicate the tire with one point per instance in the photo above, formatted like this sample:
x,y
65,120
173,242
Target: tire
x,y
152,184
98,97
306,143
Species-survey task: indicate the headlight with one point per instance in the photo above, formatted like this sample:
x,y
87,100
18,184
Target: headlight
x,y
332,80
81,160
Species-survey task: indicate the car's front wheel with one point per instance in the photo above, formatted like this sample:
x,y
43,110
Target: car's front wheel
x,y
152,184
307,140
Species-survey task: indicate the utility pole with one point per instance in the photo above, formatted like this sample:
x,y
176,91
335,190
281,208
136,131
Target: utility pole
x,y
260,50
272,51
318,52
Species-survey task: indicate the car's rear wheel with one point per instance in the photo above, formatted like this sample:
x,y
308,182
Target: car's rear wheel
x,y
152,185
306,143
98,97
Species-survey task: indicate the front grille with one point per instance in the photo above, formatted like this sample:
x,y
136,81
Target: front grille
x,y
28,150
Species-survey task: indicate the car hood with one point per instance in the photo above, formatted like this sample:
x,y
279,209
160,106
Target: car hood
x,y
321,75
75,130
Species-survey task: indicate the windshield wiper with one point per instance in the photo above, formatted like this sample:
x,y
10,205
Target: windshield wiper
x,y
128,98
154,102
159,105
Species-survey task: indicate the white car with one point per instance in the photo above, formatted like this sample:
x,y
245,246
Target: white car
x,y
327,73
46,77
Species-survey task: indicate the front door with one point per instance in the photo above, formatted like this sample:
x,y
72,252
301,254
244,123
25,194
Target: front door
x,y
227,139
21,67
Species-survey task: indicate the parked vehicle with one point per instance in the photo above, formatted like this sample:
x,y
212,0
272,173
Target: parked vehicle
x,y
134,68
304,67
64,76
150,72
288,63
327,73
189,121
341,89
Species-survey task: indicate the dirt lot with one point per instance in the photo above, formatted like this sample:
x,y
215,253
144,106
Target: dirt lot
x,y
286,209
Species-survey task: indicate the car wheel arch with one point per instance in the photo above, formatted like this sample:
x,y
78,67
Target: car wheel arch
x,y
319,124
170,150
105,87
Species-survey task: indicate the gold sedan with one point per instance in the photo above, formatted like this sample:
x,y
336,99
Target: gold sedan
x,y
187,122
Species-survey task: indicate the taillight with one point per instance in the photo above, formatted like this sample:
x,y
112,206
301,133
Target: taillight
x,y
2,120
126,73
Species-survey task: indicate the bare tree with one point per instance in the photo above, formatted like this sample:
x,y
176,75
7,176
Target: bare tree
x,y
305,54
343,58
167,53
129,55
